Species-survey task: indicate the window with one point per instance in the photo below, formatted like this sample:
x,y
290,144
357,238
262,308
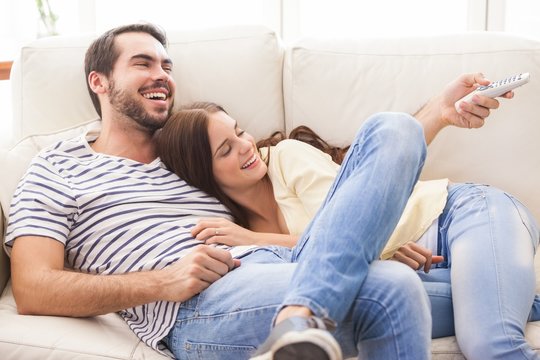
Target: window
x,y
349,18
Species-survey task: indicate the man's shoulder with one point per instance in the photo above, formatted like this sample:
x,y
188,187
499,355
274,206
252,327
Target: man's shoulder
x,y
61,150
64,146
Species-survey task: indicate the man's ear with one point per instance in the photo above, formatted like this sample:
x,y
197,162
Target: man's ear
x,y
98,82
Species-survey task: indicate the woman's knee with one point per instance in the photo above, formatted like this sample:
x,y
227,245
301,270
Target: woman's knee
x,y
402,134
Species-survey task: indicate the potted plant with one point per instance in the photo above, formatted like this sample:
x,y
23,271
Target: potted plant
x,y
47,20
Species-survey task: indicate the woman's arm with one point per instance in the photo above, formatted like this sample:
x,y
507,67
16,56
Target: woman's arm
x,y
223,231
440,112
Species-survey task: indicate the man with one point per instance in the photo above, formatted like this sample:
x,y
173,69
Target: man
x,y
104,205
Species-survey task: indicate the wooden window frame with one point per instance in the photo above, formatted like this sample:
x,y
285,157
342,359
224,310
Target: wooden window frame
x,y
5,69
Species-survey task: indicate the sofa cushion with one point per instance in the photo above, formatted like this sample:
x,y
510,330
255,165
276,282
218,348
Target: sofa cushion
x,y
55,337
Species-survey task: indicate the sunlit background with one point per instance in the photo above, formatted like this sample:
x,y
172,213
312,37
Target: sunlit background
x,y
20,20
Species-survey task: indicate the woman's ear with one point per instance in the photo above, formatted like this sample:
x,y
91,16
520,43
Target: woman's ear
x,y
98,82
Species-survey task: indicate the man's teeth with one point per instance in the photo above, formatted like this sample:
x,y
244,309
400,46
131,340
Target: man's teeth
x,y
155,95
251,161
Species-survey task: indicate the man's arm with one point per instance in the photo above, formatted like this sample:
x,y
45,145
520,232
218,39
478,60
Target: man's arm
x,y
440,112
42,286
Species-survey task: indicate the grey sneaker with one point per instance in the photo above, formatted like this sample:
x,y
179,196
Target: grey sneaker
x,y
299,338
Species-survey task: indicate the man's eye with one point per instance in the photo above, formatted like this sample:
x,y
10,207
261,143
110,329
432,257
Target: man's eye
x,y
167,69
142,64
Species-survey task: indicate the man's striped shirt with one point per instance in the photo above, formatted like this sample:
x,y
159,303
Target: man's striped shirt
x,y
114,215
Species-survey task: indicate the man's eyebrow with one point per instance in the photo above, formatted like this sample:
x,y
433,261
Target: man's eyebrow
x,y
225,141
142,57
149,58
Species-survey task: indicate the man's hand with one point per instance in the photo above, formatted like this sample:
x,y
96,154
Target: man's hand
x,y
440,111
416,257
42,286
195,272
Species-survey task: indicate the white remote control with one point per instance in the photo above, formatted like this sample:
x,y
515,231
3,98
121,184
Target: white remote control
x,y
497,88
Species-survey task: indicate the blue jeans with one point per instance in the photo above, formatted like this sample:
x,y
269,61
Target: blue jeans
x,y
380,307
488,239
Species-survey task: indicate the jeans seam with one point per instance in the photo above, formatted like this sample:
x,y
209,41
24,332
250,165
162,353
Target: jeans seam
x,y
387,315
497,270
515,202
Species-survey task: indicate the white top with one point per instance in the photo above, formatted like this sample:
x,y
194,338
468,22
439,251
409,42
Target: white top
x,y
302,175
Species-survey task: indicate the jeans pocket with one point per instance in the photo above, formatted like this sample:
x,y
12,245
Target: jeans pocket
x,y
212,351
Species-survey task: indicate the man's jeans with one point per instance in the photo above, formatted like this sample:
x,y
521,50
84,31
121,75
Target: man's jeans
x,y
380,307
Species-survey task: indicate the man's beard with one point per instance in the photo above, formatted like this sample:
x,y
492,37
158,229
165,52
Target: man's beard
x,y
134,109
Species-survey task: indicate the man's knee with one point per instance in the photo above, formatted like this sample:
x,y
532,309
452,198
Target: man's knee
x,y
400,283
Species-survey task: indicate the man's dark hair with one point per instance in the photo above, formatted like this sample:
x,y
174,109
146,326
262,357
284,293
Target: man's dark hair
x,y
102,53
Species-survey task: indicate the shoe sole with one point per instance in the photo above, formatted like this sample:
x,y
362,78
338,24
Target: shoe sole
x,y
312,344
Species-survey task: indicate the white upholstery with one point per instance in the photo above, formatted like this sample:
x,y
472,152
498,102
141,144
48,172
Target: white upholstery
x,y
329,85
240,68
333,86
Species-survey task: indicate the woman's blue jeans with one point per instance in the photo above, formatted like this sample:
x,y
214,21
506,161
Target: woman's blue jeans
x,y
380,307
488,239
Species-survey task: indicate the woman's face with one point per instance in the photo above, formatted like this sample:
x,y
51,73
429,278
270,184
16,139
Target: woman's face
x,y
236,163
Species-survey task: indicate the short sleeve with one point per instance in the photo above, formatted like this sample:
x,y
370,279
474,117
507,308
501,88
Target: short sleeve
x,y
43,205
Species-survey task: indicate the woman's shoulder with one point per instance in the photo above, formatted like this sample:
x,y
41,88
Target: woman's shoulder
x,y
291,146
299,153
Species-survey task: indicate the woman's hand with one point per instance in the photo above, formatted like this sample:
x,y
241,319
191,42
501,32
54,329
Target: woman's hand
x,y
440,111
469,115
416,257
223,231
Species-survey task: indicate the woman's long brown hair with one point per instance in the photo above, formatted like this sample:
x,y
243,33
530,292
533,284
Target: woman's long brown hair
x,y
305,134
184,147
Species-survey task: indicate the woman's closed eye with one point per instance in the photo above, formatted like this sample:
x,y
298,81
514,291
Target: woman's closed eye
x,y
226,150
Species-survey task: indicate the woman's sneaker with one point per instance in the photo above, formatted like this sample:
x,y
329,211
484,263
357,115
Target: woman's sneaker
x,y
299,338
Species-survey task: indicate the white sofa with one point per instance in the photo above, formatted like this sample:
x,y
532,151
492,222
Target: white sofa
x,y
331,85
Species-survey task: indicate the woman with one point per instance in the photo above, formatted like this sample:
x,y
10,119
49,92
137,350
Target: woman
x,y
272,203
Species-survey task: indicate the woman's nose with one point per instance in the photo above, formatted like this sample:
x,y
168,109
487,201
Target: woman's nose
x,y
246,145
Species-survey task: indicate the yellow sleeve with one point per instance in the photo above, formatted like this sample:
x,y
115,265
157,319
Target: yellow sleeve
x,y
303,172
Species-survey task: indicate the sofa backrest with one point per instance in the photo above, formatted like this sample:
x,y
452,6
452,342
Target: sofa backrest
x,y
334,85
330,85
237,67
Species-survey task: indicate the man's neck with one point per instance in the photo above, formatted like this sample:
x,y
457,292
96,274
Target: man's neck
x,y
125,140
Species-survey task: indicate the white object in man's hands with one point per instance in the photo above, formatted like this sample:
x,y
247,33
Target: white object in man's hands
x,y
496,88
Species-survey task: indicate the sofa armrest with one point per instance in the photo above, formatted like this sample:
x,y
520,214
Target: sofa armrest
x,y
4,260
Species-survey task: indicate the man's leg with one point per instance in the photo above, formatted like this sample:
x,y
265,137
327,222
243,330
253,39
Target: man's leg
x,y
234,315
489,239
389,319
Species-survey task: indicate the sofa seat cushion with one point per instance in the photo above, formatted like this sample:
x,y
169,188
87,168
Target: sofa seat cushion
x,y
54,337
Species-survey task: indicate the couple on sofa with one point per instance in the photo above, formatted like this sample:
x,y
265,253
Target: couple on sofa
x,y
293,239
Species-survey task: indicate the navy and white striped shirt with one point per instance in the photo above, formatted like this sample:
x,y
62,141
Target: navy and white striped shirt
x,y
114,215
